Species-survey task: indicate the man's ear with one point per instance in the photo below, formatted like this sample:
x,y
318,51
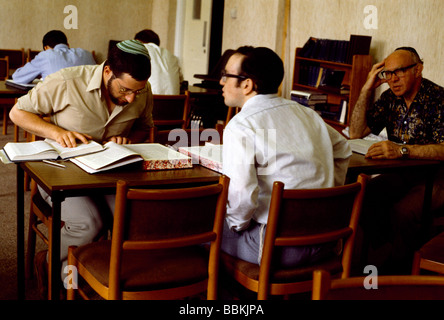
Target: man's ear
x,y
248,86
419,70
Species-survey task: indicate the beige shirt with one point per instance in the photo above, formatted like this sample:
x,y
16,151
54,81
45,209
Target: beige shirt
x,y
73,100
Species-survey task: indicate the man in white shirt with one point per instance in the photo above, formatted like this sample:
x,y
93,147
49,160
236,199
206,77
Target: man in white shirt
x,y
271,139
56,55
166,75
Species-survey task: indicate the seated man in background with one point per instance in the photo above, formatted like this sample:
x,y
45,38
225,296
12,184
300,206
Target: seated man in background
x,y
166,75
107,102
412,111
271,139
56,55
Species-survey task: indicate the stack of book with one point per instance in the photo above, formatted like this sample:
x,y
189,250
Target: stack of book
x,y
308,98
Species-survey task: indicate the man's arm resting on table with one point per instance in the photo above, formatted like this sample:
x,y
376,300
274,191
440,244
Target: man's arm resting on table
x,y
391,150
34,124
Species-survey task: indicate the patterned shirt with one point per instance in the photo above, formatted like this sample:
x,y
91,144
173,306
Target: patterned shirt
x,y
423,123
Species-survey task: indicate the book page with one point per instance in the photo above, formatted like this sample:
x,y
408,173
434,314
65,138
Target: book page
x,y
80,149
36,150
112,153
155,151
361,145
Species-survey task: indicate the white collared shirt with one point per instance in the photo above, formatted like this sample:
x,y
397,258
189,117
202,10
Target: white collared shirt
x,y
165,71
275,139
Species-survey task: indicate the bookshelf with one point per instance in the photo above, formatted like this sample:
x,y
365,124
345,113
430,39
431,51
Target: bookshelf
x,y
354,77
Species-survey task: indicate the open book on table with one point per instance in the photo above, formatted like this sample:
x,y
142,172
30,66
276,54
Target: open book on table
x,y
209,155
153,156
361,145
47,150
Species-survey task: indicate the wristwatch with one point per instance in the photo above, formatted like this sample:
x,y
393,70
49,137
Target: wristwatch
x,y
405,152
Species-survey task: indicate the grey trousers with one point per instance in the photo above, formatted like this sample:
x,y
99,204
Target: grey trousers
x,y
246,245
82,217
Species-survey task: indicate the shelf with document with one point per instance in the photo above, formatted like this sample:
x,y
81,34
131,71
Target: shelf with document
x,y
340,82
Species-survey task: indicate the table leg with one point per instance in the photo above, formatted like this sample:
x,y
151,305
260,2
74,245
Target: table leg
x,y
54,244
20,235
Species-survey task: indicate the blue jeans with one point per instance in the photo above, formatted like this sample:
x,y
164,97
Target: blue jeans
x,y
245,245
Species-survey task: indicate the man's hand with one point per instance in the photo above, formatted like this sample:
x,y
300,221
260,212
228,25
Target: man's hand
x,y
68,139
384,150
120,140
373,80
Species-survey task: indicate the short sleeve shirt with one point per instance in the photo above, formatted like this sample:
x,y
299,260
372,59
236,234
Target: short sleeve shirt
x,y
73,100
422,123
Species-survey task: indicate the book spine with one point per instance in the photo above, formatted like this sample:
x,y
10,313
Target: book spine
x,y
166,164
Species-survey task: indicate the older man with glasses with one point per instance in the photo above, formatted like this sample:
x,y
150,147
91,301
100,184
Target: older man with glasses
x,y
412,111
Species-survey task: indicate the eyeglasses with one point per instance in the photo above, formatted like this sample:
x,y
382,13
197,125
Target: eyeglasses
x,y
225,75
126,91
387,75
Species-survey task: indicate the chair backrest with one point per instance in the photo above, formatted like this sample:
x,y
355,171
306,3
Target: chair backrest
x,y
31,54
176,218
16,57
303,217
386,287
4,68
171,111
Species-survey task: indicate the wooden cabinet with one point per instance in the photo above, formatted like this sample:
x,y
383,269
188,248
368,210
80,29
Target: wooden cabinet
x,y
354,78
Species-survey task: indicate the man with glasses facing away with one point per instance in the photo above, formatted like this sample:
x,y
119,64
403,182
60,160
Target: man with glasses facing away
x,y
107,102
412,111
271,139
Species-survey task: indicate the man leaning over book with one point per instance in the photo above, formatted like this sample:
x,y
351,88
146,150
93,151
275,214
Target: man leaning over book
x,y
412,111
107,102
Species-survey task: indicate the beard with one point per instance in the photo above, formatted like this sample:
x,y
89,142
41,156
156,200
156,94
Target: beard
x,y
116,101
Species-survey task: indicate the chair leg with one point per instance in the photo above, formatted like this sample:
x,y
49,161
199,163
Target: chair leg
x,y
70,292
416,263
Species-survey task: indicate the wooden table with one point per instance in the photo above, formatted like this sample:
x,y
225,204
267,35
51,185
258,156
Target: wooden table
x,y
72,181
8,95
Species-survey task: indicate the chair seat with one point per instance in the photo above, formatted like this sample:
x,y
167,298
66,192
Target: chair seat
x,y
147,270
434,249
297,274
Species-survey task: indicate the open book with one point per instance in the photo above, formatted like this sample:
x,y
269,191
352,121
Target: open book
x,y
209,155
153,156
361,145
47,150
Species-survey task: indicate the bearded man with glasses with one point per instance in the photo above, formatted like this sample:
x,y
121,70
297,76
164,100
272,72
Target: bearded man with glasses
x,y
107,102
412,111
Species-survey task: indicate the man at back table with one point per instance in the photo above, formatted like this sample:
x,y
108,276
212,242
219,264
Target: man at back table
x,y
271,139
166,75
56,55
107,102
412,111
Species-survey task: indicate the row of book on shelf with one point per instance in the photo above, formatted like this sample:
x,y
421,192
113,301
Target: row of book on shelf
x,y
94,157
341,51
327,79
318,101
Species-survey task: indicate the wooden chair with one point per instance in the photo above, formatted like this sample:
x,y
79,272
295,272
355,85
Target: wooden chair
x,y
16,57
302,217
430,257
171,111
406,287
30,54
155,250
4,68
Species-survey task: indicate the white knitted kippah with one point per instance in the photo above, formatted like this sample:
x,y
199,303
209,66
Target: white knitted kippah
x,y
133,47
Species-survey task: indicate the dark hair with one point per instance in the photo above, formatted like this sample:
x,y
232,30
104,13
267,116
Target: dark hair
x,y
137,66
147,36
53,38
413,52
263,66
